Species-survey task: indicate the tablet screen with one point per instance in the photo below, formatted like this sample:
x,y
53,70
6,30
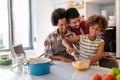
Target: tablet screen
x,y
19,51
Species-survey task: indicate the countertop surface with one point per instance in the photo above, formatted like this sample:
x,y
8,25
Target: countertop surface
x,y
59,71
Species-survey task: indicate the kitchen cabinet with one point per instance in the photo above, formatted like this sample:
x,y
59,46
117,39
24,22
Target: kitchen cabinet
x,y
79,4
105,8
117,5
90,7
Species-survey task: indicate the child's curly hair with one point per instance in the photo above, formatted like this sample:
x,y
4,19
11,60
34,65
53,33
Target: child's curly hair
x,y
97,19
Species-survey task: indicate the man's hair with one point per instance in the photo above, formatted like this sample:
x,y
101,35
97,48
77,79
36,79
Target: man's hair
x,y
57,14
72,13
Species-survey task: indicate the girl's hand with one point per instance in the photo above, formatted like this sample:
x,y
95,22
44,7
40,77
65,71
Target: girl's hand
x,y
107,56
90,61
72,51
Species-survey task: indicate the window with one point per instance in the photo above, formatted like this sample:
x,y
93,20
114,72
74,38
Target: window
x,y
15,24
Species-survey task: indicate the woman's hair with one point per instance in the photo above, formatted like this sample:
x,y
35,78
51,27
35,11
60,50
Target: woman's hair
x,y
57,14
97,19
72,13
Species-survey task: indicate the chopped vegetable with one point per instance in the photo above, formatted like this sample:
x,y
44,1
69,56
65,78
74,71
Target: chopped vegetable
x,y
5,60
31,60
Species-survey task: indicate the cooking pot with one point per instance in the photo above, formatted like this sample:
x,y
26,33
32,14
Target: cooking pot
x,y
40,68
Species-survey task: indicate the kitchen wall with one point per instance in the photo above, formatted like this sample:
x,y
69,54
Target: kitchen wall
x,y
92,8
110,10
41,13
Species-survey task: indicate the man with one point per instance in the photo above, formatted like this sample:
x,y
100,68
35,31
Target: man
x,y
77,25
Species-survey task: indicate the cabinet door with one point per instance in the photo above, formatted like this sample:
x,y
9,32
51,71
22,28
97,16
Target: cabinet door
x,y
118,25
99,6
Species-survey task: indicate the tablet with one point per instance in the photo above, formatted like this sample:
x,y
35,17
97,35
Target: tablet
x,y
19,50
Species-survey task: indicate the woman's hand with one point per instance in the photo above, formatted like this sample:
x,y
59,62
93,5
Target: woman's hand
x,y
61,58
64,59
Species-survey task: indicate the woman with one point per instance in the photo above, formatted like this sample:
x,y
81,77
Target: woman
x,y
91,45
53,44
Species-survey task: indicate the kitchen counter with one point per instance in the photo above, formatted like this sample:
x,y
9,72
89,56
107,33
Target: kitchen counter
x,y
59,71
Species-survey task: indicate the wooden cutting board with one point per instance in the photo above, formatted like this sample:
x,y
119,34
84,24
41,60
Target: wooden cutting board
x,y
118,58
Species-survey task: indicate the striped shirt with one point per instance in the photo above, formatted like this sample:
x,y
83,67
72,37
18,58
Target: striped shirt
x,y
88,48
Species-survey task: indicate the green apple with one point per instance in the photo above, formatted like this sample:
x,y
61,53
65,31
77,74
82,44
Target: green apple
x,y
118,77
117,71
114,71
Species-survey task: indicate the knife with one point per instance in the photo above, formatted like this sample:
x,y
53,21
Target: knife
x,y
76,57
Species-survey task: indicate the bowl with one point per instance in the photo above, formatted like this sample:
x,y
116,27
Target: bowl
x,y
39,66
81,64
5,60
